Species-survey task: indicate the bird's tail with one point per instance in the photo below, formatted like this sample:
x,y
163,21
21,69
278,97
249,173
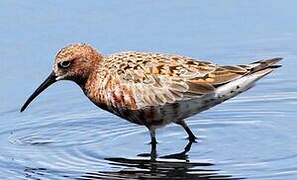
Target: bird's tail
x,y
257,70
266,64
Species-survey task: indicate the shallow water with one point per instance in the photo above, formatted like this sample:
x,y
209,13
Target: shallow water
x,y
64,136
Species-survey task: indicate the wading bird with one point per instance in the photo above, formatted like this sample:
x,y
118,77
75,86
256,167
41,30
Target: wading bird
x,y
152,89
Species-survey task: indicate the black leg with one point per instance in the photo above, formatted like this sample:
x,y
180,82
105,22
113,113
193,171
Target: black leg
x,y
153,137
191,137
153,143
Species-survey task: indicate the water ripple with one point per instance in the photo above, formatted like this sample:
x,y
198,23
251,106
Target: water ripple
x,y
236,141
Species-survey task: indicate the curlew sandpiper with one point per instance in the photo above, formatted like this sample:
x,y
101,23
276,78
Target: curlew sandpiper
x,y
152,89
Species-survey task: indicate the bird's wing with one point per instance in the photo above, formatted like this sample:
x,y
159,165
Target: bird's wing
x,y
157,79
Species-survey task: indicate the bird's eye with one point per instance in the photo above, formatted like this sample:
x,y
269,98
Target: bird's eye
x,y
64,64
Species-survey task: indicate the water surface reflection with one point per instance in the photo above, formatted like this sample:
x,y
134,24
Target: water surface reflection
x,y
171,166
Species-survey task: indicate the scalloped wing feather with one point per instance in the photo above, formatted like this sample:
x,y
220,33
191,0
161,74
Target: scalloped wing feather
x,y
156,79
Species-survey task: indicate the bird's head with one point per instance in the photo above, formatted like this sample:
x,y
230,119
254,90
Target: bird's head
x,y
74,62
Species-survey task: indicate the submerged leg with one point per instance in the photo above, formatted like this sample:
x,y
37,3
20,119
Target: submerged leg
x,y
153,137
153,143
191,137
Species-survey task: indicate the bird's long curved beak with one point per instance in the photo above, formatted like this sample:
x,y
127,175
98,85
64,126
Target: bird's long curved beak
x,y
49,81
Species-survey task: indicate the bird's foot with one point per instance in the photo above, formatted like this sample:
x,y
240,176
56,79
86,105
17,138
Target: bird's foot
x,y
152,155
144,155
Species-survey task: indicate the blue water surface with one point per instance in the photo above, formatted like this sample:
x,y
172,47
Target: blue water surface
x,y
64,136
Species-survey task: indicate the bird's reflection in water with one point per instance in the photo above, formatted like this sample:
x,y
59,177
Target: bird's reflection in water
x,y
173,166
